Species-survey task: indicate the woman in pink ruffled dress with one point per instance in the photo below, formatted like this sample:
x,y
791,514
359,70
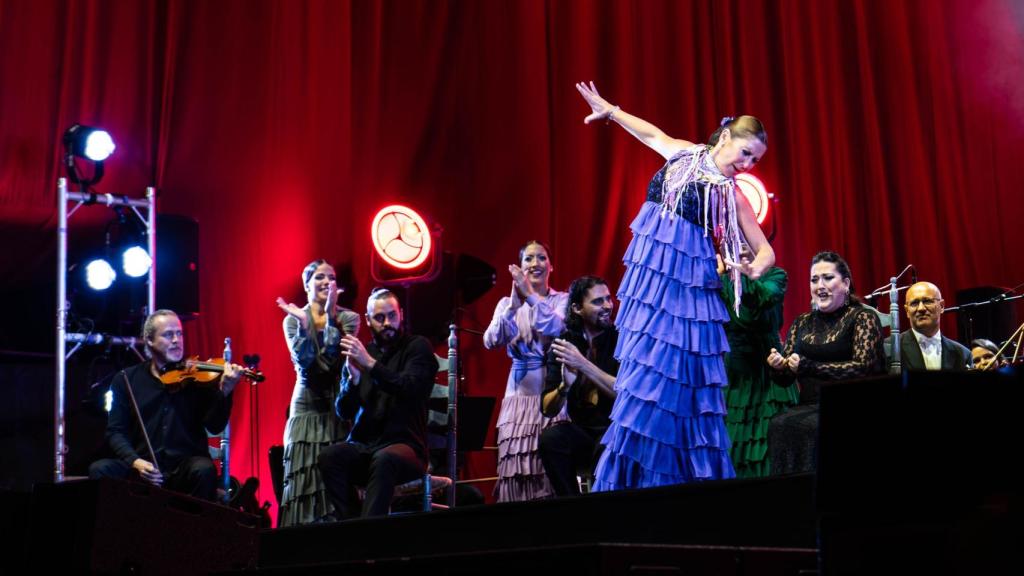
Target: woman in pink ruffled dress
x,y
524,323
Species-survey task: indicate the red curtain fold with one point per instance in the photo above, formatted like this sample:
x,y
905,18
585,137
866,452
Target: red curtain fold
x,y
895,132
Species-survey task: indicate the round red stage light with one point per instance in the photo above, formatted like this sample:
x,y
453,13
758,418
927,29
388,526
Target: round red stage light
x,y
401,237
756,194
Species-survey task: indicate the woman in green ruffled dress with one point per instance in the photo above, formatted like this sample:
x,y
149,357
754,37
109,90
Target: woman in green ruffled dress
x,y
753,398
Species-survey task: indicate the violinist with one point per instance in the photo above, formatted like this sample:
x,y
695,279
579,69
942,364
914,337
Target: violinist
x,y
171,451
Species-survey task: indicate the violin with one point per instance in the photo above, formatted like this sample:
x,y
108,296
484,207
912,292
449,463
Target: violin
x,y
193,371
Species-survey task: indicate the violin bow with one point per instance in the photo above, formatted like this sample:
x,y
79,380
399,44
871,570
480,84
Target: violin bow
x,y
142,425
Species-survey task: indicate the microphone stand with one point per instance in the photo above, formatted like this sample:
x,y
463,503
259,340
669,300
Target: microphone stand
x,y
895,365
971,306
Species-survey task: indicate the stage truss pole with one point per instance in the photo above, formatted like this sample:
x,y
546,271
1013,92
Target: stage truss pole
x,y
62,335
453,412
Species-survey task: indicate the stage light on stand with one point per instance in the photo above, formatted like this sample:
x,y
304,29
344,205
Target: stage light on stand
x,y
405,248
135,262
89,143
99,274
92,144
401,237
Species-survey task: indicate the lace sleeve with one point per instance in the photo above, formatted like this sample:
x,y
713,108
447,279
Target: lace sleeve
x,y
867,336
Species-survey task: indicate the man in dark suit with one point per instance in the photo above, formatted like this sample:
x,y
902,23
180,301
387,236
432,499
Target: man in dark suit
x,y
923,347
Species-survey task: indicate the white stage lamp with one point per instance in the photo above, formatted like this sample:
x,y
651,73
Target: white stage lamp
x,y
135,261
99,274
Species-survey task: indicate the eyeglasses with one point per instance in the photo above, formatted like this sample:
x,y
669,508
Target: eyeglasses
x,y
925,302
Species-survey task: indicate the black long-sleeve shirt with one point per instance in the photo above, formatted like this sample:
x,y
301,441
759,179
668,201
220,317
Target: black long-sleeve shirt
x,y
390,402
588,407
176,420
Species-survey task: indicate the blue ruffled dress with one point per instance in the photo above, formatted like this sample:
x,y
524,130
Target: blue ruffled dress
x,y
668,420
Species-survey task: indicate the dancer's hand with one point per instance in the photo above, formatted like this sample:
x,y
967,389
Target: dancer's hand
x,y
600,108
293,310
745,268
519,280
332,298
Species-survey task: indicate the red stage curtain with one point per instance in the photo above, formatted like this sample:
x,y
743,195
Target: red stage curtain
x,y
895,131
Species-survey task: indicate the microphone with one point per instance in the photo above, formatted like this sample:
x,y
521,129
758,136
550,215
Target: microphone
x,y
886,291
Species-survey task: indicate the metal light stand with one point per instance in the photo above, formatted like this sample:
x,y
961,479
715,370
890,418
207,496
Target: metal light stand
x,y
225,440
453,412
63,337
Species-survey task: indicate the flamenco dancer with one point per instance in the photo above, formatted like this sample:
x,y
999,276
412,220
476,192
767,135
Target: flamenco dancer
x,y
668,420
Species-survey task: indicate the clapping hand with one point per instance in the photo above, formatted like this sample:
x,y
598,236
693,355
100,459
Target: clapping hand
x,y
332,298
293,310
567,353
352,348
519,281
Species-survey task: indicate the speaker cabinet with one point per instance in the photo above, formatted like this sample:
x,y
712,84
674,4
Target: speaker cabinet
x,y
177,264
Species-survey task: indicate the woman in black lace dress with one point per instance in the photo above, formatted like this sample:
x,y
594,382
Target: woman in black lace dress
x,y
838,340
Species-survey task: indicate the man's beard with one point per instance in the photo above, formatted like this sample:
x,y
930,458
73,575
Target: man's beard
x,y
387,336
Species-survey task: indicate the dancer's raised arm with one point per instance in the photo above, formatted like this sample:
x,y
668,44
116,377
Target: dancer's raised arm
x,y
643,130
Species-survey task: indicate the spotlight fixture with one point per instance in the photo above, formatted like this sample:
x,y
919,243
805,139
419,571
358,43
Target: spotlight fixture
x,y
756,193
99,274
406,249
135,261
401,237
92,144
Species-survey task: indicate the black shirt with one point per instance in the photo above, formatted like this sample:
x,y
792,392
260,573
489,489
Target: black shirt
x,y
390,403
582,410
176,419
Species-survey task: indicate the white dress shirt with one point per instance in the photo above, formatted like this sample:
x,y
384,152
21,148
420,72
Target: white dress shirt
x,y
931,349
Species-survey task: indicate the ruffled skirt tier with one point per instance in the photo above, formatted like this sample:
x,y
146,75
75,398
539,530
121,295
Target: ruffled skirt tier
x,y
668,421
521,474
304,498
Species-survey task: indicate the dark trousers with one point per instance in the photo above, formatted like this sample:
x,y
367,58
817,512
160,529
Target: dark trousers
x,y
349,464
566,449
195,476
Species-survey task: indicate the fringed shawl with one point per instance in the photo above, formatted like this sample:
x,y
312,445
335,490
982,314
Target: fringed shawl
x,y
695,164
